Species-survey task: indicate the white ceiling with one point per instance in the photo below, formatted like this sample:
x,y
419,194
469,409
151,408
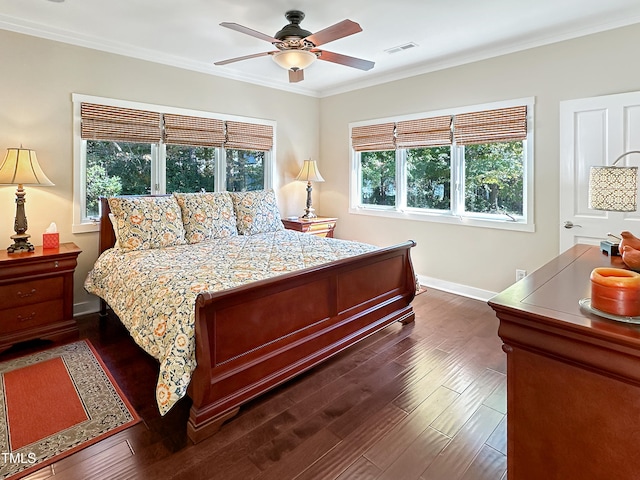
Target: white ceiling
x,y
187,33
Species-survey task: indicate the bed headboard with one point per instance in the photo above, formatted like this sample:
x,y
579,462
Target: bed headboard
x,y
107,235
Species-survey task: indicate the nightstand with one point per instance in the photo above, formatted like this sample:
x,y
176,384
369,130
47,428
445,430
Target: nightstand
x,y
36,295
319,226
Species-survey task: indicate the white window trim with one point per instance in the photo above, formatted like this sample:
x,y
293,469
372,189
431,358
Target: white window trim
x,y
523,224
79,152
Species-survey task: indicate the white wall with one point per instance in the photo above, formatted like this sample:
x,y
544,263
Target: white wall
x,y
480,258
37,80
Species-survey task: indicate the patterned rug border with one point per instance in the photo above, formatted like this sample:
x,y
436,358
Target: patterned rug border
x,y
13,471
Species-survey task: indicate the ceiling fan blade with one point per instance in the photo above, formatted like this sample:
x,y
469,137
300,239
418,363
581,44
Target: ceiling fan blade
x,y
296,76
249,31
246,57
344,60
334,32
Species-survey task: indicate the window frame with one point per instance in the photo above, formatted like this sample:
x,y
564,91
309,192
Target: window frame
x,y
158,165
457,215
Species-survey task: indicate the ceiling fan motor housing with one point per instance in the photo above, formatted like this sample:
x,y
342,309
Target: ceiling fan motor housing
x,y
293,28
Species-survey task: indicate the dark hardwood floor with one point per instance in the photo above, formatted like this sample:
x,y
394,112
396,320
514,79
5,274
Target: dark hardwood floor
x,y
424,401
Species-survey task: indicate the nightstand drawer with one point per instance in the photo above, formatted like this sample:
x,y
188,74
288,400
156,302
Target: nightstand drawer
x,y
34,291
321,229
28,316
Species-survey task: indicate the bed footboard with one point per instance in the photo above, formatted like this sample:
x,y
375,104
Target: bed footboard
x,y
255,337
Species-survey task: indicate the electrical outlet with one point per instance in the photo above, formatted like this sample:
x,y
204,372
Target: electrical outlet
x,y
520,274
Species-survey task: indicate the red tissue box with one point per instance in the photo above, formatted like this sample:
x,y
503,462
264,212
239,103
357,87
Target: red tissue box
x,y
50,240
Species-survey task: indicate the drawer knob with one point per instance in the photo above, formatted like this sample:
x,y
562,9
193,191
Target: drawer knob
x,y
20,318
26,294
56,264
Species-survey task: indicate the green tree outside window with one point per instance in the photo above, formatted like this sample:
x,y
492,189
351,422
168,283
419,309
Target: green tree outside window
x,y
116,168
494,174
245,170
429,178
379,177
190,169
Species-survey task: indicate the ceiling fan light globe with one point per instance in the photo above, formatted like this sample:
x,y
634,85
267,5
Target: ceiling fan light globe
x,y
294,59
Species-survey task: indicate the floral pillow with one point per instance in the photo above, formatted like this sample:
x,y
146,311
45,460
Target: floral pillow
x,y
256,212
147,222
207,216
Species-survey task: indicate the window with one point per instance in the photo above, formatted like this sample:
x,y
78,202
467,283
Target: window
x,y
190,169
116,168
378,177
429,178
245,170
493,174
245,147
122,148
471,165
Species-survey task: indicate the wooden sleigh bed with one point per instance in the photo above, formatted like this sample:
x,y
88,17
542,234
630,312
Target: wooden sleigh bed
x,y
241,352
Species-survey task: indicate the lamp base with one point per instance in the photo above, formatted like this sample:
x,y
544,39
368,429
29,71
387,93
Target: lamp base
x,y
21,237
20,243
309,213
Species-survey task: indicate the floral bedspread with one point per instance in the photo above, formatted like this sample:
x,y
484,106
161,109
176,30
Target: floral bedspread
x,y
154,291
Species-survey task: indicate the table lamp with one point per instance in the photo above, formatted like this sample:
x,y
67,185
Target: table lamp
x,y
613,188
20,167
309,173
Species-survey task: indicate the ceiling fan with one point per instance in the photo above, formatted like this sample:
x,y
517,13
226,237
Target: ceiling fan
x,y
297,48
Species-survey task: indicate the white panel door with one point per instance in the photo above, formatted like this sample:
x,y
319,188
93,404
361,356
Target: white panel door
x,y
595,131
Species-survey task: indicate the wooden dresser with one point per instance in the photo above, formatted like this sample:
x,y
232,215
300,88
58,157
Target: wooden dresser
x,y
573,378
36,295
319,226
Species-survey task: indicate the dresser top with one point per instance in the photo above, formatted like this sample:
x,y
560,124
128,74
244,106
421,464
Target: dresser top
x,y
548,298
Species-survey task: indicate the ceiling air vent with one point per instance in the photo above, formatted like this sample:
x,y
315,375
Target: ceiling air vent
x,y
401,48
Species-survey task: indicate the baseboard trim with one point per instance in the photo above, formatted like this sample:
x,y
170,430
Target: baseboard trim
x,y
85,308
457,288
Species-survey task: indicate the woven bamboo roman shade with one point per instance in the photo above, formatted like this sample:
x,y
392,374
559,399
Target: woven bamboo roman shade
x,y
501,125
373,137
424,132
249,136
102,122
186,130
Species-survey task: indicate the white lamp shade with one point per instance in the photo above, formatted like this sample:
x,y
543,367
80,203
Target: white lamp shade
x,y
613,189
310,172
294,59
21,167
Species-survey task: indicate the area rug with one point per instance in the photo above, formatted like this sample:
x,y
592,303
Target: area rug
x,y
54,403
